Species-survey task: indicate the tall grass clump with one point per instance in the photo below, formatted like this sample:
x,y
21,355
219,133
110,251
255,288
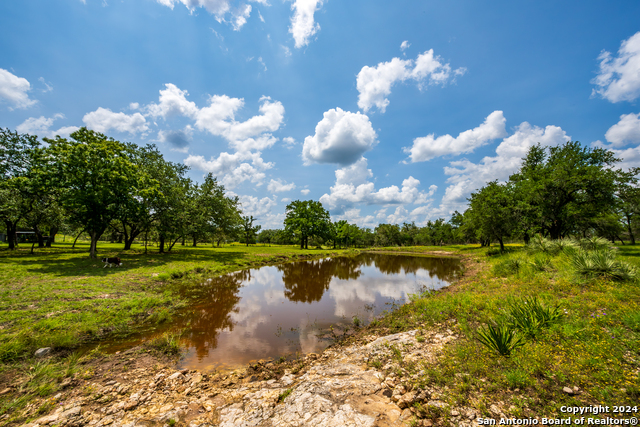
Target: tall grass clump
x,y
529,316
508,267
594,243
168,343
500,338
602,264
540,244
541,263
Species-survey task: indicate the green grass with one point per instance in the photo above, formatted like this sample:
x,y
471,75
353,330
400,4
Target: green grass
x,y
577,331
58,297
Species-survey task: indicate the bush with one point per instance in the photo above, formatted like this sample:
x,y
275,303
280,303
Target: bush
x,y
594,244
542,263
508,267
500,338
602,264
529,316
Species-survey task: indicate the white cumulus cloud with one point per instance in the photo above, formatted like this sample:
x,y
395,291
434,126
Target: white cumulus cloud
x,y
234,168
466,177
341,137
626,131
253,134
352,188
103,119
41,126
280,186
619,76
303,25
177,139
428,147
14,90
374,83
173,102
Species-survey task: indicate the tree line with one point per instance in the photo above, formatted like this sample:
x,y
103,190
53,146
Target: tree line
x,y
92,183
561,191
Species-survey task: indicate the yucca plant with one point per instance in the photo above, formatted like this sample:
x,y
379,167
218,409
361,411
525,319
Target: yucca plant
x,y
539,243
508,266
594,243
529,316
602,263
500,338
542,263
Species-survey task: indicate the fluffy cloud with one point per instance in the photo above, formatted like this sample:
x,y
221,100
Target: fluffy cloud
x,y
240,17
219,119
253,206
626,131
374,83
234,168
14,90
619,76
466,177
173,102
352,216
405,45
177,139
305,191
352,188
103,120
41,126
341,137
303,25
279,186
428,147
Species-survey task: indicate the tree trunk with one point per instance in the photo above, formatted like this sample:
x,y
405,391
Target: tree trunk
x,y
52,235
195,242
306,242
631,236
161,250
172,244
94,243
77,237
302,242
12,229
39,236
501,244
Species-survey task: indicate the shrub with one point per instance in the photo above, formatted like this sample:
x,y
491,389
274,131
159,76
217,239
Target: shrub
x,y
529,316
508,267
594,244
542,263
602,263
500,338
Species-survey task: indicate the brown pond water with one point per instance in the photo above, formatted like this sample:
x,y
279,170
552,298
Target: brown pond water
x,y
286,309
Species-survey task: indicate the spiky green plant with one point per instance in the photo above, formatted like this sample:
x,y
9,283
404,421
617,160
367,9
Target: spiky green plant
x,y
594,243
529,316
603,264
541,263
500,338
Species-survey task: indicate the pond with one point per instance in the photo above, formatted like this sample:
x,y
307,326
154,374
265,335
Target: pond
x,y
286,309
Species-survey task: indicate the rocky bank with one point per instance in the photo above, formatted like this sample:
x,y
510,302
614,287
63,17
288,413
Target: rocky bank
x,y
368,383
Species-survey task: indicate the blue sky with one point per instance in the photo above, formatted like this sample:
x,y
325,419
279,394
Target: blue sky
x,y
383,111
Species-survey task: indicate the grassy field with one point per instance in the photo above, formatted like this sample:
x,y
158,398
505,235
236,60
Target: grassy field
x,y
58,297
591,343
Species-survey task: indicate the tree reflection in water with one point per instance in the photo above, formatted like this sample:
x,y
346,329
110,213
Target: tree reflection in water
x,y
218,299
308,281
438,267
